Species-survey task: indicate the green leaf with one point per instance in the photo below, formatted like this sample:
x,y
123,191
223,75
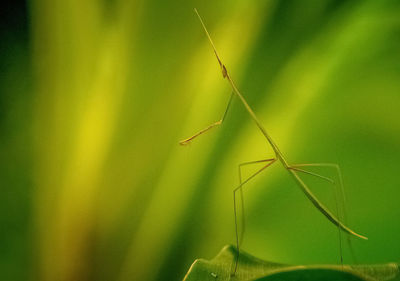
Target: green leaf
x,y
252,268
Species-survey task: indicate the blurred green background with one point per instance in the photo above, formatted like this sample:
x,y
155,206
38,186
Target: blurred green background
x,y
95,96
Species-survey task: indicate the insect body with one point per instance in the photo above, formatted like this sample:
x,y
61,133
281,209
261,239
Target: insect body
x,y
293,170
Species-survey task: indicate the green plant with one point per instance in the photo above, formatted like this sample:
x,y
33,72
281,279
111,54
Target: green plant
x,y
252,268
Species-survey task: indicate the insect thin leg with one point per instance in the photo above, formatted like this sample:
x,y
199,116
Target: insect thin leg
x,y
219,122
341,195
271,161
240,166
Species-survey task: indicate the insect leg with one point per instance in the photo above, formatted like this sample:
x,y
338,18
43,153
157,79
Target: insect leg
x,y
341,192
270,162
219,122
240,166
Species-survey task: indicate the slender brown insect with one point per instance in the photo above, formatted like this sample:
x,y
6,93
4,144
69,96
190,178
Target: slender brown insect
x,y
293,170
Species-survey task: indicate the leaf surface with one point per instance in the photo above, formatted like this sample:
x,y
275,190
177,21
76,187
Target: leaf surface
x,y
252,268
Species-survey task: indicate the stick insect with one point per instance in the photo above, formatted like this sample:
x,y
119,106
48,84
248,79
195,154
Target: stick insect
x,y
292,169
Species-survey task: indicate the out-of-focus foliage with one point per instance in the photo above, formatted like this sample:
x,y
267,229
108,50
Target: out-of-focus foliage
x,y
95,96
